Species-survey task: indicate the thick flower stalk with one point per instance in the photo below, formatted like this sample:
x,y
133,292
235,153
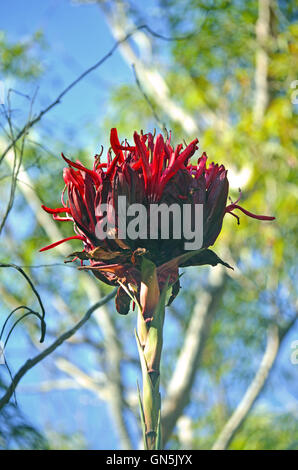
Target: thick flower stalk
x,y
149,173
149,337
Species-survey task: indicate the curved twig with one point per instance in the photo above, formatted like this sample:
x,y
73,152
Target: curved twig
x,y
32,362
42,316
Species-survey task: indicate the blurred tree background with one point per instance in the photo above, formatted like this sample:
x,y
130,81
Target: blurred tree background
x,y
226,72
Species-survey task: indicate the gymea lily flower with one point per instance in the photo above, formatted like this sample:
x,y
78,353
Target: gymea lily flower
x,y
149,172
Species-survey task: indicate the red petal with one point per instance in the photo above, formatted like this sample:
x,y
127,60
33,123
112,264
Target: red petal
x,y
158,155
115,144
143,154
56,211
187,153
79,166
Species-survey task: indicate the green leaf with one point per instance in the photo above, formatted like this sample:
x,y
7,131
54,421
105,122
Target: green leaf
x,y
201,257
158,433
142,417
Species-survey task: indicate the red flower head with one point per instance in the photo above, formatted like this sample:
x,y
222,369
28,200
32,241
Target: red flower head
x,y
150,172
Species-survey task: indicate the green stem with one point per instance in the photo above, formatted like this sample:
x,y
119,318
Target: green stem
x,y
149,338
150,402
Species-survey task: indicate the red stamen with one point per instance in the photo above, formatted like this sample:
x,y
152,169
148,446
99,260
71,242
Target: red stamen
x,y
77,237
62,219
231,207
236,216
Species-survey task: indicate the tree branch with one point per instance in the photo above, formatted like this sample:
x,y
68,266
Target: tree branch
x,y
262,61
151,77
179,389
83,379
274,338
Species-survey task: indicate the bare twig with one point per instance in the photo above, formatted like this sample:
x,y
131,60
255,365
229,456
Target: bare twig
x,y
32,362
155,115
42,316
18,156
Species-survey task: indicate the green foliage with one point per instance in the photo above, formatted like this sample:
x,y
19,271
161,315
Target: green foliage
x,y
19,58
15,432
267,431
